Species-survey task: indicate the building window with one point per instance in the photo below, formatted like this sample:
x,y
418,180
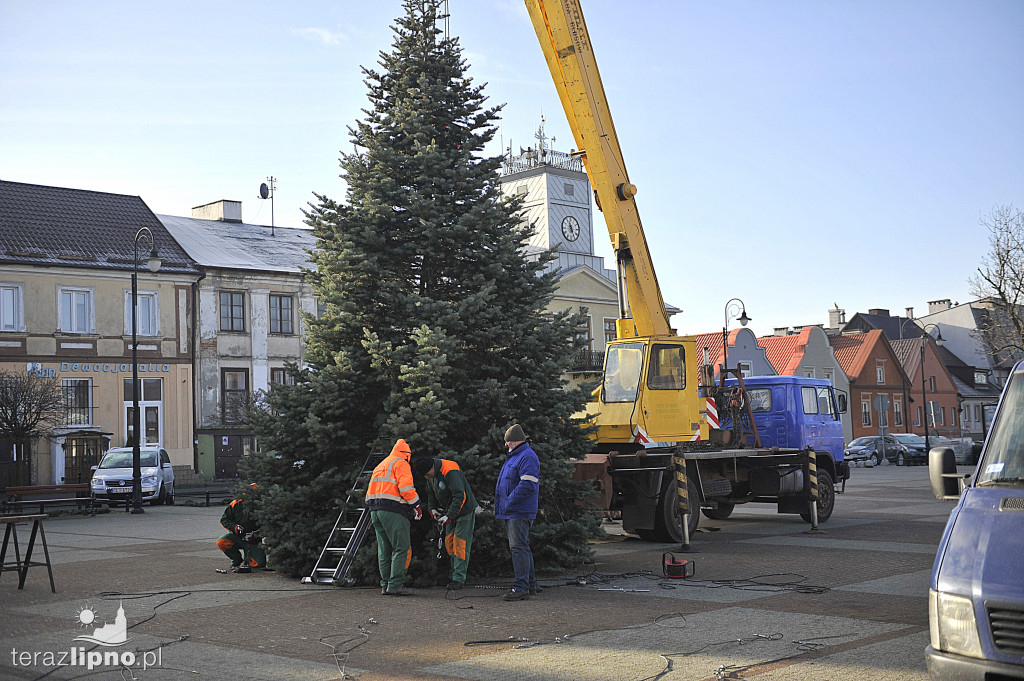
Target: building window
x,y
809,373
609,330
77,393
232,311
744,369
569,189
521,190
897,412
827,373
977,413
931,383
12,308
980,378
151,402
281,315
146,309
952,417
919,421
883,419
583,334
281,377
234,385
865,413
75,310
880,374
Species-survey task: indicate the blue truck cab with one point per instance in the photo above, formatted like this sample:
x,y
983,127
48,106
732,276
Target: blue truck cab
x,y
976,595
794,412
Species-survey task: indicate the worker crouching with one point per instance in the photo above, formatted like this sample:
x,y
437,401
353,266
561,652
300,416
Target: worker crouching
x,y
453,506
391,498
242,542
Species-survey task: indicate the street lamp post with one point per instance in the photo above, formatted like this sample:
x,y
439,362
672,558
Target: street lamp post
x,y
153,263
732,306
925,337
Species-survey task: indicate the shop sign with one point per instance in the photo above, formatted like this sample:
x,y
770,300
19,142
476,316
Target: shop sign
x,y
95,367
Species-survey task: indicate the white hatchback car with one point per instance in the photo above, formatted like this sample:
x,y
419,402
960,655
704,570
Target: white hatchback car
x,y
112,479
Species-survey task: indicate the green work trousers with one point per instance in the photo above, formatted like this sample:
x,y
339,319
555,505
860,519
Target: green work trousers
x,y
458,538
242,552
394,548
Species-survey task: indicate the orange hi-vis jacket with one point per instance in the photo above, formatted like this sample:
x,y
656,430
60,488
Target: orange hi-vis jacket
x,y
391,486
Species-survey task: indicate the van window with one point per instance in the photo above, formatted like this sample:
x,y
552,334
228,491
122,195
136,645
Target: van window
x,y
825,401
760,400
810,399
1004,452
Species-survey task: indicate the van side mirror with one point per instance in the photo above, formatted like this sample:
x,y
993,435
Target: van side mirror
x,y
946,482
94,468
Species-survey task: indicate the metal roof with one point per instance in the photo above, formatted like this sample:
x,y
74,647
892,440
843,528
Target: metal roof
x,y
240,246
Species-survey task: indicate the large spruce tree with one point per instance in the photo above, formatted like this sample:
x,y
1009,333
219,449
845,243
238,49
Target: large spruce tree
x,y
432,324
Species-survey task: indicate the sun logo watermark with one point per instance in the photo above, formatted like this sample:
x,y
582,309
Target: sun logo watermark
x,y
109,635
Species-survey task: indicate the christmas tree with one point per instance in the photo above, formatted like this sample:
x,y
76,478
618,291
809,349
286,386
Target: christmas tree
x,y
433,325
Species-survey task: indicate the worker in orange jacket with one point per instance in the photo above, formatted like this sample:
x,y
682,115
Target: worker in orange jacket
x,y
391,498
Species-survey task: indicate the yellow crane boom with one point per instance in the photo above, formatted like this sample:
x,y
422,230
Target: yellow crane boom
x,y
566,44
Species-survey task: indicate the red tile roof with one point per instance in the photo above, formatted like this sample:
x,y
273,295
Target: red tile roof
x,y
713,342
852,350
786,352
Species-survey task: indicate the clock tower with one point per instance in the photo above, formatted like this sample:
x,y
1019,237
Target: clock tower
x,y
556,196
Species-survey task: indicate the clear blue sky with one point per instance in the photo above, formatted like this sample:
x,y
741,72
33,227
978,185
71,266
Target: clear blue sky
x,y
794,154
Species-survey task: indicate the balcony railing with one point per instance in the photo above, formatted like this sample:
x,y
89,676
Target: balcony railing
x,y
587,361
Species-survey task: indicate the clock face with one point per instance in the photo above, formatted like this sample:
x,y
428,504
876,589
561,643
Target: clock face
x,y
570,228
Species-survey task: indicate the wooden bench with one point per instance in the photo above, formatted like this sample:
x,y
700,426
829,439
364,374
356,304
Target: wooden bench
x,y
15,498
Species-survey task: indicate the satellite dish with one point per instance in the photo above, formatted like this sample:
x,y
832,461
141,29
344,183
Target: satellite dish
x,y
264,191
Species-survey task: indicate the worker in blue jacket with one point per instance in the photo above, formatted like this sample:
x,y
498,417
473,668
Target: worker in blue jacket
x,y
515,502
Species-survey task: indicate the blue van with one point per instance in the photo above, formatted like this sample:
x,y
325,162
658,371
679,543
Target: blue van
x,y
976,596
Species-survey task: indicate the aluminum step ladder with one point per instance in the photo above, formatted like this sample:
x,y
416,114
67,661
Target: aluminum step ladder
x,y
346,537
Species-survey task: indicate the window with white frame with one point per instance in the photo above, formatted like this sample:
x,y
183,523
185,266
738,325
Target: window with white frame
x,y
12,308
75,310
897,412
77,398
880,373
931,383
609,330
809,373
151,402
148,313
827,373
865,413
281,376
744,369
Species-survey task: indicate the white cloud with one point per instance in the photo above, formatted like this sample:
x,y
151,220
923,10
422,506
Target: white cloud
x,y
321,34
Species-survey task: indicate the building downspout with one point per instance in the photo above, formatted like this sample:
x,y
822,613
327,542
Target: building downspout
x,y
196,405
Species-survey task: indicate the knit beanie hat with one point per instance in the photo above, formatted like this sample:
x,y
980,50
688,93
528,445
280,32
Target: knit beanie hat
x,y
423,464
515,434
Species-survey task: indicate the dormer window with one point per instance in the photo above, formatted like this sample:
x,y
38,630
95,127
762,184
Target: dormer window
x,y
980,378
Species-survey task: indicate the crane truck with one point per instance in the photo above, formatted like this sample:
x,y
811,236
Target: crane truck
x,y
650,413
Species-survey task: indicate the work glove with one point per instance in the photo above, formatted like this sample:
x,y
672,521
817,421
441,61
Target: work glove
x,y
239,530
417,512
443,520
251,537
435,514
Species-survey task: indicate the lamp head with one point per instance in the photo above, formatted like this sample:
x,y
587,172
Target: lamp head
x,y
154,261
744,318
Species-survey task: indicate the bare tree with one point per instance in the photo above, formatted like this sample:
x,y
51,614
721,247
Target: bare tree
x,y
30,405
999,285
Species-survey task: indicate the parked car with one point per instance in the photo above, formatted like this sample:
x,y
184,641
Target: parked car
x,y
112,479
867,448
962,448
912,450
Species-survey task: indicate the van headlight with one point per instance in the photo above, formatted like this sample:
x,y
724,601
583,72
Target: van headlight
x,y
97,482
952,624
149,480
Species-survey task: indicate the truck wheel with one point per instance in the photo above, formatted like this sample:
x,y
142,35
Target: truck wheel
x,y
826,498
723,511
668,524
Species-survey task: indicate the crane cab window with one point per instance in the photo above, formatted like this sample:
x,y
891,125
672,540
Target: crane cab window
x,y
668,368
622,372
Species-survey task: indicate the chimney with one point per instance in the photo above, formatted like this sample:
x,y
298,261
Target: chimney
x,y
910,313
223,211
879,312
939,305
836,317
